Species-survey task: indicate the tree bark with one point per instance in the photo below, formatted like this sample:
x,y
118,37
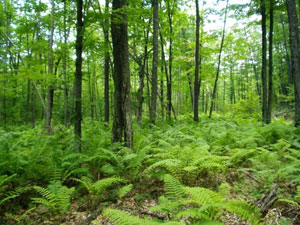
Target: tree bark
x,y
264,62
295,53
65,67
78,76
270,91
154,63
169,76
106,63
50,71
197,62
122,110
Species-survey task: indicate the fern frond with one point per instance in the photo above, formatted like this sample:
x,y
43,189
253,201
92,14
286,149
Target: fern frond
x,y
125,190
203,196
99,186
244,210
120,217
174,189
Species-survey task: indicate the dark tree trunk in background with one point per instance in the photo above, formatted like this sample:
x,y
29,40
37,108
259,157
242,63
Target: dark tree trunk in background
x,y
219,64
169,76
264,61
142,65
196,81
78,76
50,71
122,112
287,57
65,67
270,94
106,63
295,52
154,63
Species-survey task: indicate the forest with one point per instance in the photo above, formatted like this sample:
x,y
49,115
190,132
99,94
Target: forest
x,y
137,112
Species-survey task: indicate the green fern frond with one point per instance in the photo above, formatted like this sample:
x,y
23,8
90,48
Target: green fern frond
x,y
203,196
167,164
99,186
56,196
174,189
244,210
123,191
124,218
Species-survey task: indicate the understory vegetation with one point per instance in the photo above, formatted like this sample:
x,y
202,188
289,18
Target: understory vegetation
x,y
194,173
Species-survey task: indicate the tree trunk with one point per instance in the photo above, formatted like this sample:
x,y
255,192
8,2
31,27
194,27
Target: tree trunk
x,y
196,81
169,77
78,76
219,64
122,109
287,57
65,67
50,71
154,63
295,53
264,62
142,65
106,63
270,94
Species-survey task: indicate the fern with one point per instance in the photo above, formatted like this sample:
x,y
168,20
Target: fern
x,y
244,210
124,218
56,197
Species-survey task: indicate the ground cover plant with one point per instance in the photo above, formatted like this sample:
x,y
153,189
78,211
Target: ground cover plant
x,y
193,174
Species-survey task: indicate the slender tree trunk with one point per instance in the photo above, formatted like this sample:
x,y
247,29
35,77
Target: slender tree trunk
x,y
270,94
162,104
50,71
264,62
154,63
122,112
196,81
142,66
169,78
65,66
78,76
295,53
219,63
287,57
106,64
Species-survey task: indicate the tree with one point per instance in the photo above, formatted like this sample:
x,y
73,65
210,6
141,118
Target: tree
x,y
78,75
154,62
270,87
264,60
50,70
196,81
122,124
295,54
219,63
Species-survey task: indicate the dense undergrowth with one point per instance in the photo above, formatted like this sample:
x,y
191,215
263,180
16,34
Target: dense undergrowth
x,y
199,173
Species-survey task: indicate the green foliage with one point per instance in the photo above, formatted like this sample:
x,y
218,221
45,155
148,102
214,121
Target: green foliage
x,y
124,218
56,197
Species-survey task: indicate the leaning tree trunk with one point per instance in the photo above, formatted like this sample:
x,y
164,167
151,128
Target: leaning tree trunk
x,y
264,62
270,94
196,81
122,110
78,77
295,53
154,63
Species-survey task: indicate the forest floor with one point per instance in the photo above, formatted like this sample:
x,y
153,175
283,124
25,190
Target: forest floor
x,y
220,171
